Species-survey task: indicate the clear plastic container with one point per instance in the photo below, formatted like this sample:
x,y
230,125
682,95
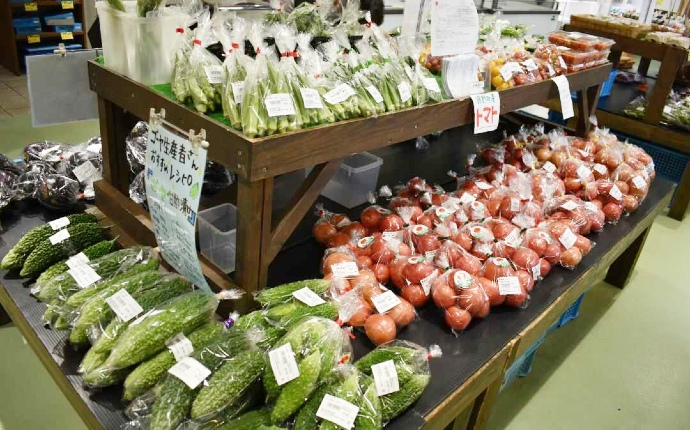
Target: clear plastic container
x,y
572,57
218,235
356,177
580,41
139,48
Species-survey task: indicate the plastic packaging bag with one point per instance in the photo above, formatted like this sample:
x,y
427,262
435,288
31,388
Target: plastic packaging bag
x,y
205,75
512,283
135,146
462,297
235,72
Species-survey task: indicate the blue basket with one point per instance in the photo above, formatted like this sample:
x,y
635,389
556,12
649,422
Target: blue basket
x,y
669,164
523,364
570,314
605,89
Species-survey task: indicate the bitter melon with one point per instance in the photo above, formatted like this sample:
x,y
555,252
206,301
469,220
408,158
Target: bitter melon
x,y
17,255
256,319
94,251
249,421
296,392
394,404
389,352
291,313
228,383
349,391
306,417
283,293
81,236
151,371
369,416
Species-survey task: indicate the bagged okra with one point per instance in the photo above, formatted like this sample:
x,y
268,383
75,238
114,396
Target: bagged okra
x,y
311,76
396,84
336,90
304,357
205,75
425,87
234,71
400,370
181,71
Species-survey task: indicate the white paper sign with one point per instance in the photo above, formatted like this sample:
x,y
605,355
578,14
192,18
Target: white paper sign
x,y
568,238
214,74
238,92
339,94
86,173
427,282
392,235
601,169
483,185
190,371
569,205
431,84
549,167
308,297
638,182
124,305
84,275
338,411
180,346
174,177
583,172
77,260
591,206
529,65
466,198
279,105
347,269
404,90
514,204
311,98
454,27
615,192
59,223
385,302
509,285
564,94
487,109
283,364
513,239
375,94
536,271
385,378
58,237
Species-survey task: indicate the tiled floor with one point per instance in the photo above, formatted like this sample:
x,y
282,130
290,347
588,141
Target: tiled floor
x,y
14,94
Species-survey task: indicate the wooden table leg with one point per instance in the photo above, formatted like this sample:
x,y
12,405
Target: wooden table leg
x,y
587,101
481,412
620,270
463,420
643,68
115,125
681,200
671,63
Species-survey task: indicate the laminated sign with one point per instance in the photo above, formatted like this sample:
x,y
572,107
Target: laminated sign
x,y
174,177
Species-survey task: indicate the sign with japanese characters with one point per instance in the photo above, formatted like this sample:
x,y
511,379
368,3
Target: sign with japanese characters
x,y
174,177
487,108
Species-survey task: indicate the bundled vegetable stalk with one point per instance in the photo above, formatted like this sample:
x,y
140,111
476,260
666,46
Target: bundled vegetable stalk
x,y
205,70
337,93
234,71
395,84
94,251
312,19
310,76
181,71
425,87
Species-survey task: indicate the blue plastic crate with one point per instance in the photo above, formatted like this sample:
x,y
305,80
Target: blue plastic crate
x,y
669,164
605,88
571,313
523,364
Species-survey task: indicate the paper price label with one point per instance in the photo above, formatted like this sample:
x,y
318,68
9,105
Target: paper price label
x,y
509,285
591,206
514,204
583,172
180,346
569,205
67,4
536,271
66,35
638,182
338,411
279,105
30,7
530,65
467,198
86,173
375,93
347,269
392,236
649,168
615,192
385,378
59,223
311,98
513,239
339,94
549,167
405,92
190,371
487,109
427,282
483,185
568,238
77,260
508,69
430,255
550,68
283,364
238,92
431,84
561,62
58,237
601,169
84,275
33,38
124,305
385,302
308,297
214,74
564,94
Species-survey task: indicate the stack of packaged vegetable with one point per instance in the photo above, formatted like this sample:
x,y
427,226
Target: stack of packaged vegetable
x,y
529,207
581,51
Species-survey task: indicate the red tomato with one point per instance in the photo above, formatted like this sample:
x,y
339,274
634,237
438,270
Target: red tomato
x,y
395,268
361,315
517,300
526,280
355,230
364,262
497,267
380,329
525,258
544,267
472,300
391,223
414,294
570,258
371,217
457,318
338,239
444,295
403,314
382,273
417,269
323,231
552,253
584,244
492,292
612,212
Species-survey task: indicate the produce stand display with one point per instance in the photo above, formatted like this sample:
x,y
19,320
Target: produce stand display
x,y
672,58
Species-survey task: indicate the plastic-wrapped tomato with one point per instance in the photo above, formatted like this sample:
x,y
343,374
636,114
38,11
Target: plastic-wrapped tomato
x,y
372,216
323,230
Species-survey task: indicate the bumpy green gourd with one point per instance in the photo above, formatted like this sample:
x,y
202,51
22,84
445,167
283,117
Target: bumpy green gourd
x,y
228,383
288,314
283,293
94,251
394,404
16,256
81,236
296,392
369,417
182,314
249,421
385,353
347,390
151,371
306,417
256,319
92,360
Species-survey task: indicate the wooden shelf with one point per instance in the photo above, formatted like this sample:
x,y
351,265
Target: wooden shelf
x,y
45,3
50,35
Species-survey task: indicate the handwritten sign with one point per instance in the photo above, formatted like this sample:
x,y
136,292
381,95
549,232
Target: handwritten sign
x,y
174,177
487,109
454,27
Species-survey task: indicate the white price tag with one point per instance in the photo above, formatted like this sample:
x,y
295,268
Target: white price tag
x,y
77,260
561,62
214,74
564,94
180,346
467,198
530,65
385,302
583,172
58,237
279,104
405,92
591,206
483,185
338,411
551,70
431,84
430,255
549,167
507,70
84,275
569,205
513,239
509,285
283,364
649,168
615,192
568,238
429,280
639,182
124,305
190,371
392,235
238,92
385,378
668,110
59,223
86,173
601,169
514,204
308,297
311,98
536,271
487,109
375,93
347,269
339,94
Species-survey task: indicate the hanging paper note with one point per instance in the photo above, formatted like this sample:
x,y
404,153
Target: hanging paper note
x,y
487,109
454,27
564,94
174,177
